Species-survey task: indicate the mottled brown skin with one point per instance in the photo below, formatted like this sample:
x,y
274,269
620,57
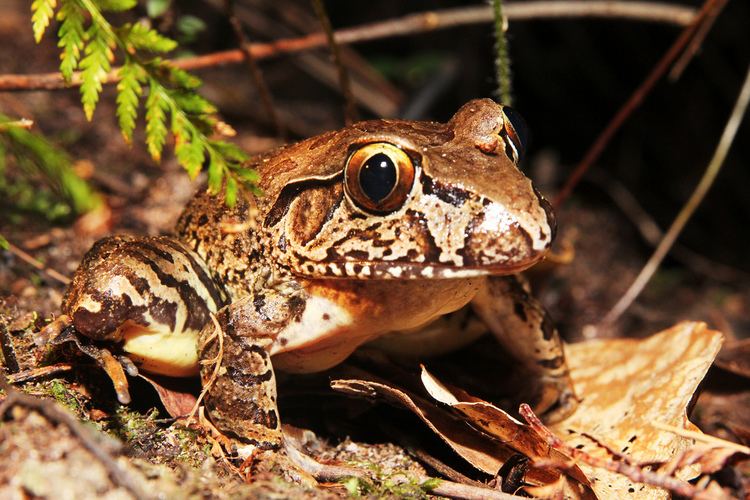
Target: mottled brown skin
x,y
305,274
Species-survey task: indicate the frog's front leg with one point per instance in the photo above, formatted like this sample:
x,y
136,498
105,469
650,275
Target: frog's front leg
x,y
525,329
241,390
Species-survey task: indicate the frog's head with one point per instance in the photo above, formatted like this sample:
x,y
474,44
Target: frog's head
x,y
400,199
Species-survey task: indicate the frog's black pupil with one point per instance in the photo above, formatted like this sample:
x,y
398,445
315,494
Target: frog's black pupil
x,y
519,125
377,177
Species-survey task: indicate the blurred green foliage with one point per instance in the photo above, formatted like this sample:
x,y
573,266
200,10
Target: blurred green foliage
x,y
40,163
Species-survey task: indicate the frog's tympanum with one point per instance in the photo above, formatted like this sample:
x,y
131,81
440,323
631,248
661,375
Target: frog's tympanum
x,y
386,229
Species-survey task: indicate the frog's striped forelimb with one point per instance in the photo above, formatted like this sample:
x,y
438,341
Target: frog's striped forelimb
x,y
525,329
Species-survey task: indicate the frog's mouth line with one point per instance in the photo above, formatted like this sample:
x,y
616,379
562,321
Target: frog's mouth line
x,y
384,270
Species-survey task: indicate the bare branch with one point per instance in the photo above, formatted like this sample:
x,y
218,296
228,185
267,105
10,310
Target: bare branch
x,y
255,73
403,26
24,256
635,100
712,170
350,106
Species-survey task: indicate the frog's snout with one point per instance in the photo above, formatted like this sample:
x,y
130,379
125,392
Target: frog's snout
x,y
506,242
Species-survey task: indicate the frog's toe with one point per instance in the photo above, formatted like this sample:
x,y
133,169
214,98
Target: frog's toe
x,y
556,400
278,463
114,366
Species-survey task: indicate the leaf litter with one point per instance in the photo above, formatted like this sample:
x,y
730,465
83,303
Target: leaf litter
x,y
630,428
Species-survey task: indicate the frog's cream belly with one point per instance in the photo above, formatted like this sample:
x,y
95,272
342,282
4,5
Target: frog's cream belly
x,y
342,315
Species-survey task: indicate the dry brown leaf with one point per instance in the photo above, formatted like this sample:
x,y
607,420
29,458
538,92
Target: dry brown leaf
x,y
735,358
497,423
485,454
628,384
177,396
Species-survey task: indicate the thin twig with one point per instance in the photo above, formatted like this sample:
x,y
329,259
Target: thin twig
x,y
442,487
700,34
37,264
403,26
635,99
443,469
102,451
255,73
652,233
712,170
634,473
350,106
216,361
502,59
42,371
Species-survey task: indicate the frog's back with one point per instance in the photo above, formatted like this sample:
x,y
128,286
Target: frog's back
x,y
229,240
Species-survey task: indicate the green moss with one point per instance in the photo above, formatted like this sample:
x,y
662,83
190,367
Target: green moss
x,y
60,392
398,485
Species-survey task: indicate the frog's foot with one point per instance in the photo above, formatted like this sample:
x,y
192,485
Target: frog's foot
x,y
556,399
522,325
61,331
238,378
279,464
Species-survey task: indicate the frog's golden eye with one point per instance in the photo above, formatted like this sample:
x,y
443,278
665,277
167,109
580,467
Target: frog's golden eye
x,y
516,131
379,177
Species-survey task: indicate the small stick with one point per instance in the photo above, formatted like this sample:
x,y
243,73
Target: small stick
x,y
705,438
255,73
42,371
24,123
632,472
695,44
37,264
442,468
443,488
402,26
350,106
635,99
712,170
502,59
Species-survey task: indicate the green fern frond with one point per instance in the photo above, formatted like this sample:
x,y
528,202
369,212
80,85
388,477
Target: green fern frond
x,y
192,103
141,37
71,35
217,167
35,155
156,118
129,90
231,152
116,5
189,143
183,79
95,65
230,191
88,40
42,12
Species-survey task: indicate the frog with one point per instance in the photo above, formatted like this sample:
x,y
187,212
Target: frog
x,y
388,232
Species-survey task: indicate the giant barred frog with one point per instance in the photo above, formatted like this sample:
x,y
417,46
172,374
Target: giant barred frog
x,y
383,229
